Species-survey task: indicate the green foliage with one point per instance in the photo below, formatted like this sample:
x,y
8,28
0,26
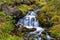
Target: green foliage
x,y
55,20
6,27
2,14
9,37
55,31
24,8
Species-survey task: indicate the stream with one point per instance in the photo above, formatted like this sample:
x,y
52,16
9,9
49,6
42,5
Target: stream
x,y
30,21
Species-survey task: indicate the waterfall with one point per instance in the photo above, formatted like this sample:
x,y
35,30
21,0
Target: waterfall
x,y
30,21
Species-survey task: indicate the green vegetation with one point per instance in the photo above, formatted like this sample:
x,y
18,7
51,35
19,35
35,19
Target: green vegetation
x,y
55,31
50,8
24,8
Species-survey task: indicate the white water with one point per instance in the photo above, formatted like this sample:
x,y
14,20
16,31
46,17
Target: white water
x,y
48,37
30,21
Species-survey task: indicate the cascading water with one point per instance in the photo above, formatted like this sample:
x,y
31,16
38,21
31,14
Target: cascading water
x,y
30,21
48,36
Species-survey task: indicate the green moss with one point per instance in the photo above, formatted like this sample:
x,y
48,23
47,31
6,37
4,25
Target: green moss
x,y
6,26
55,31
43,36
10,37
2,14
55,19
24,8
